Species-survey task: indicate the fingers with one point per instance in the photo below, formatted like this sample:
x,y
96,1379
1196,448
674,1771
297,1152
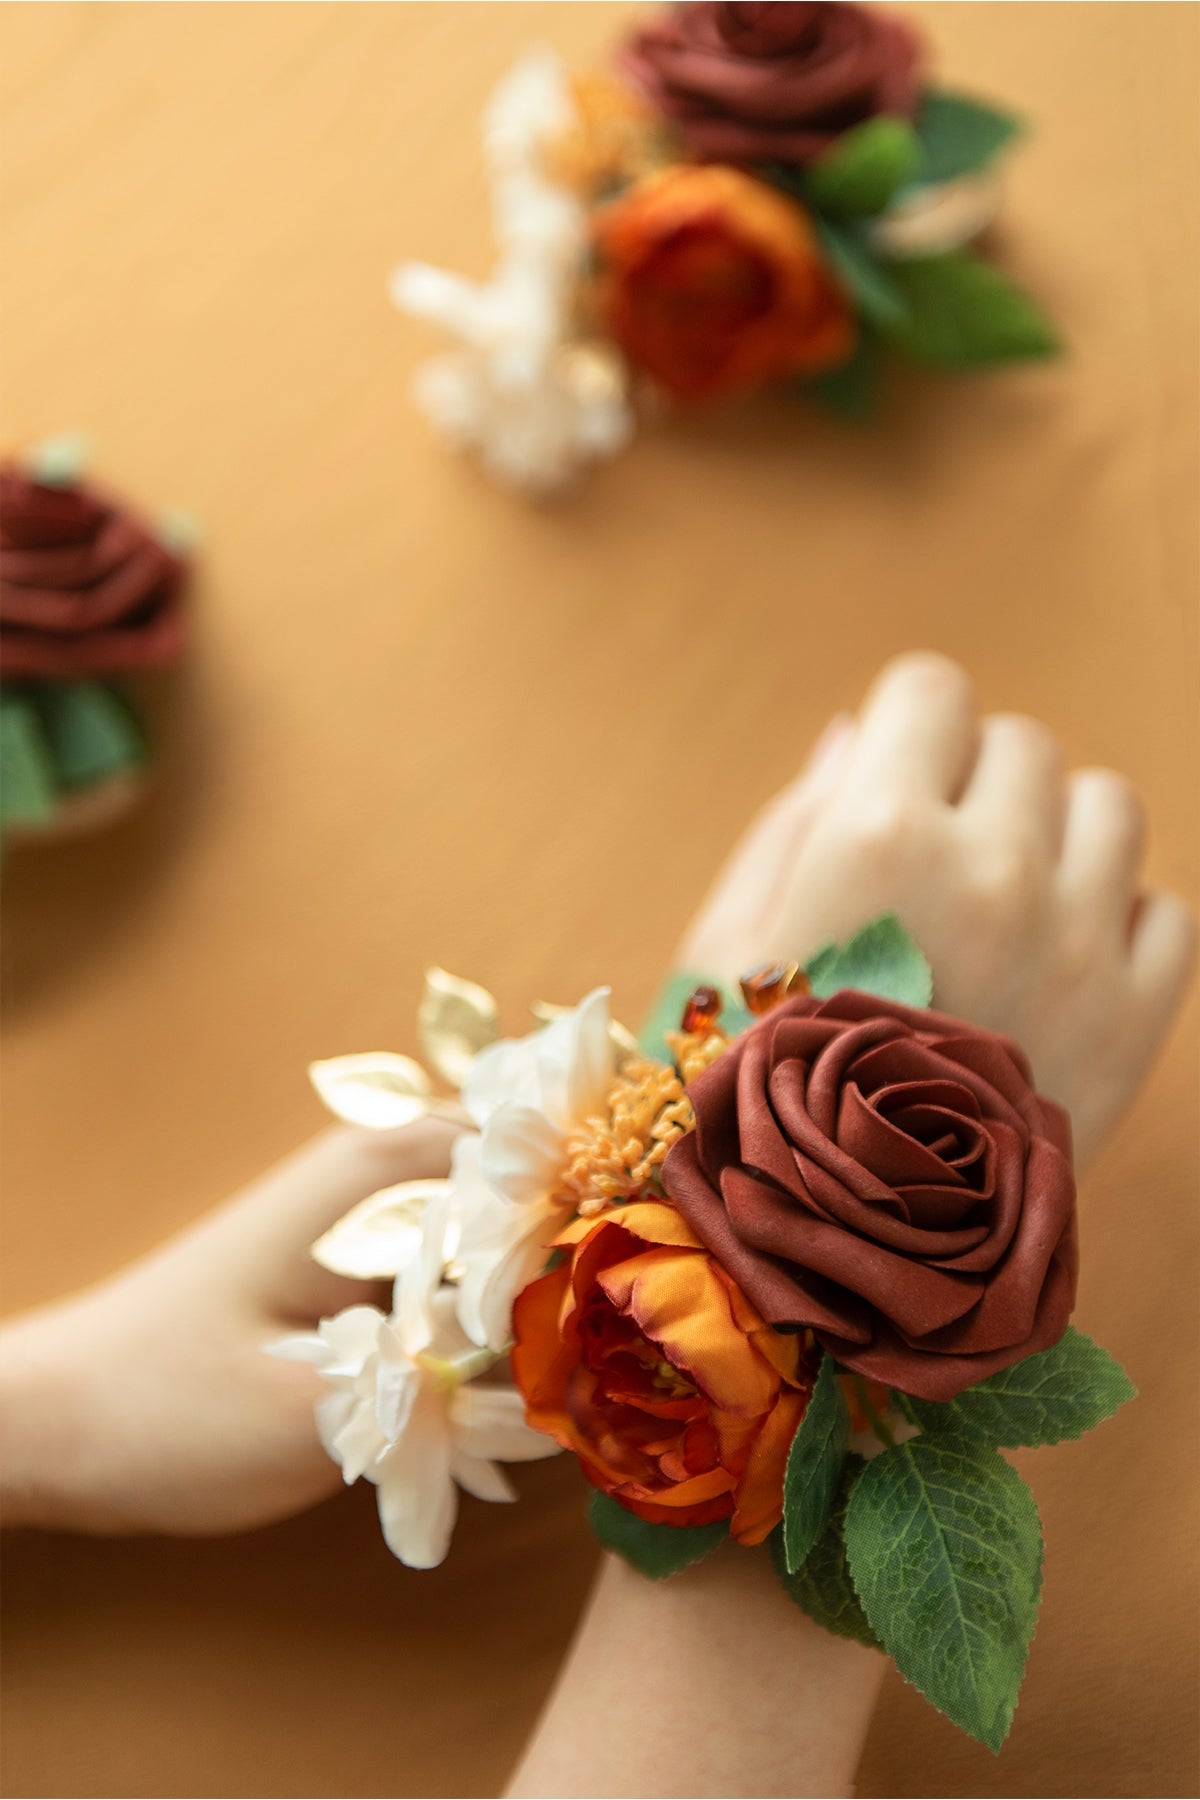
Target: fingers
x,y
731,920
1104,840
1163,949
1016,786
918,731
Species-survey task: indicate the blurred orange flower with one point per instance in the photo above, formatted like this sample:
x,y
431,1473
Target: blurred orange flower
x,y
638,1353
713,282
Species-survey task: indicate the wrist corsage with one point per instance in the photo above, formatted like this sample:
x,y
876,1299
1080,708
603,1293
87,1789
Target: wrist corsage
x,y
792,1272
88,593
774,195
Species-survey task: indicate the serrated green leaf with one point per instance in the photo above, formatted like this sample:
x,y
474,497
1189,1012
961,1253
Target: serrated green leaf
x,y
822,1587
653,1550
945,1552
667,1011
866,278
958,135
963,314
814,1465
1054,1394
28,791
90,730
880,959
864,167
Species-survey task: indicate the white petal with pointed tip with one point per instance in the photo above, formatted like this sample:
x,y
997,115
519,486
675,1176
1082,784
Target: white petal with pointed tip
x,y
490,1422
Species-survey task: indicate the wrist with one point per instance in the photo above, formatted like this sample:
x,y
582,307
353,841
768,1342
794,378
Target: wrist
x,y
42,1440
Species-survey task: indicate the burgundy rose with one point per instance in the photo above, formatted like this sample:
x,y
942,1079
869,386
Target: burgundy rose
x,y
775,82
84,588
889,1179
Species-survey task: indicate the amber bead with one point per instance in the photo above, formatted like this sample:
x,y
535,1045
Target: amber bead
x,y
765,987
702,1010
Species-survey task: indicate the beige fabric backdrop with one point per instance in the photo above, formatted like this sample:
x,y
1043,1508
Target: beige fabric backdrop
x,y
423,721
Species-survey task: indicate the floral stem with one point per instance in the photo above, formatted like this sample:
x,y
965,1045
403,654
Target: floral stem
x,y
879,1426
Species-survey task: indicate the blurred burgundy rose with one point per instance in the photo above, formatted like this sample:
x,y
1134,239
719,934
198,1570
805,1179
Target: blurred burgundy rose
x,y
888,1179
775,82
85,589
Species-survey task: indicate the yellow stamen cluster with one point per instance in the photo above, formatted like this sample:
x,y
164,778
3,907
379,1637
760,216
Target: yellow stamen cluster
x,y
614,1156
695,1050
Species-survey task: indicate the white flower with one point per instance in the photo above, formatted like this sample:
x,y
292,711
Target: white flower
x,y
944,215
406,1413
532,403
527,1095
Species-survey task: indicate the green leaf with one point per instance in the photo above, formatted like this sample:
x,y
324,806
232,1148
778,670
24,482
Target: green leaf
x,y
880,959
864,167
945,1551
866,279
653,1550
91,732
1055,1394
667,1011
963,314
959,136
822,1587
28,791
814,1466
852,389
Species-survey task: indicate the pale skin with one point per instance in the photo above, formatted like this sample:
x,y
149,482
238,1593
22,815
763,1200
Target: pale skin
x,y
146,1404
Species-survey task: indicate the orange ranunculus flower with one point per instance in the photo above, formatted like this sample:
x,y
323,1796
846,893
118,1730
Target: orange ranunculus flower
x,y
713,282
639,1354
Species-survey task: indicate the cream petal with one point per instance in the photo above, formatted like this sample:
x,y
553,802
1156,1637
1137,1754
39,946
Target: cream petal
x,y
418,1501
489,1421
332,1413
507,1249
521,1153
377,1089
576,1062
420,1279
480,1477
358,1442
504,1072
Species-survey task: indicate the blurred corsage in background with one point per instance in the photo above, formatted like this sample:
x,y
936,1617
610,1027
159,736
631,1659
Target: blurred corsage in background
x,y
760,195
88,592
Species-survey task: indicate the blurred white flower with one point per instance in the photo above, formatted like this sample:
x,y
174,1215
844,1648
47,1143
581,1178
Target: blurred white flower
x,y
928,221
406,1413
519,391
526,1095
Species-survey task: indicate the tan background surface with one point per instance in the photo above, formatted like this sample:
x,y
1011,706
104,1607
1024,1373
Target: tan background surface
x,y
425,722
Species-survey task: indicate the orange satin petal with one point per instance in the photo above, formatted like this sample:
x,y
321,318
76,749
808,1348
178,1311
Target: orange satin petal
x,y
656,1223
759,1498
685,1493
681,1302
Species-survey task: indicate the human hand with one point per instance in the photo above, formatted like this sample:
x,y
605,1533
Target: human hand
x,y
147,1404
1021,884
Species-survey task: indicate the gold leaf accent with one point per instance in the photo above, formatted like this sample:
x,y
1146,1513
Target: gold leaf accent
x,y
455,1021
377,1089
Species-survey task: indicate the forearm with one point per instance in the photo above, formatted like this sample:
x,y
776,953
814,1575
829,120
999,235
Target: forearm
x,y
40,1447
711,1683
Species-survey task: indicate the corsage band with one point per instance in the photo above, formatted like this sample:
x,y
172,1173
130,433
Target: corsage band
x,y
791,1271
